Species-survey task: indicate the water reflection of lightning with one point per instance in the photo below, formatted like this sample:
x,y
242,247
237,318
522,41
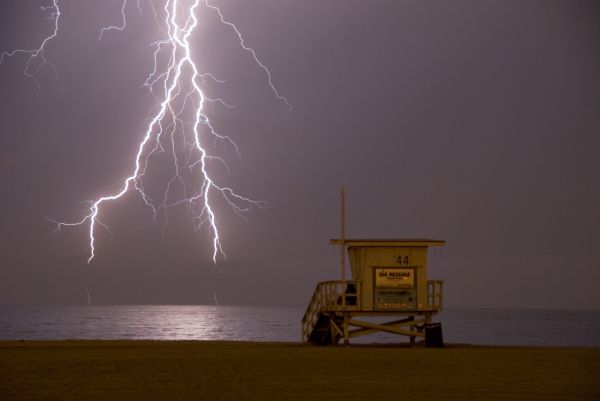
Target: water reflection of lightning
x,y
175,82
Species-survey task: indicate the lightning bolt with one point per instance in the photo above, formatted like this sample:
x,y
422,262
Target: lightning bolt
x,y
178,121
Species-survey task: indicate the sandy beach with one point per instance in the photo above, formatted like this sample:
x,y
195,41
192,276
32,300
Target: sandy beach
x,y
196,370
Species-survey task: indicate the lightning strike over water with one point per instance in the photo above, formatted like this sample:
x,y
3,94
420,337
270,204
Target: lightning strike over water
x,y
178,122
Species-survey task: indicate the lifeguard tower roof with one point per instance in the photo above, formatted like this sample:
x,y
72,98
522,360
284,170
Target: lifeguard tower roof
x,y
389,242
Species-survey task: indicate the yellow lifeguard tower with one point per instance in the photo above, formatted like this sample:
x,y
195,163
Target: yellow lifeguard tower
x,y
389,279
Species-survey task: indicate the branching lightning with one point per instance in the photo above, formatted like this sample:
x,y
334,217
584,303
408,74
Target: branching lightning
x,y
38,53
253,53
115,27
177,122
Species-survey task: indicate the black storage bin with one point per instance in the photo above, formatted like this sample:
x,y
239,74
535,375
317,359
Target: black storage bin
x,y
433,335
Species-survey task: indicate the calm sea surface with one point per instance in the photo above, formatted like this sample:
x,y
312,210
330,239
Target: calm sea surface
x,y
460,325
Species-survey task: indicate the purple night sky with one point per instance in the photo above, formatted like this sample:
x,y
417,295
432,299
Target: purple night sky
x,y
476,122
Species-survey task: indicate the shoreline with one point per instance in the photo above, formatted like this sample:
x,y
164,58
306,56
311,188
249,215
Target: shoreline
x,y
419,344
237,370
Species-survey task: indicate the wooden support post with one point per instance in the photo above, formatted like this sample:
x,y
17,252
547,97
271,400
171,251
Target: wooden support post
x,y
332,333
346,331
335,329
412,328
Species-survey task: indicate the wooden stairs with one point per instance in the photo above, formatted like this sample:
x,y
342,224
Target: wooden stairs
x,y
321,322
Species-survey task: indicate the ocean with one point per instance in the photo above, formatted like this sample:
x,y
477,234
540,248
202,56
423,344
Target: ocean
x,y
514,327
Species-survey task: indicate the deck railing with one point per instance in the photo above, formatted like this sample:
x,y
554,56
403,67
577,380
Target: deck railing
x,y
435,294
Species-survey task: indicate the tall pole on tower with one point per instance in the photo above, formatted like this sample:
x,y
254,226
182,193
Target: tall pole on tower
x,y
343,242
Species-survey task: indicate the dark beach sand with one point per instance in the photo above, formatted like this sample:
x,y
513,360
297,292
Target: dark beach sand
x,y
197,370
